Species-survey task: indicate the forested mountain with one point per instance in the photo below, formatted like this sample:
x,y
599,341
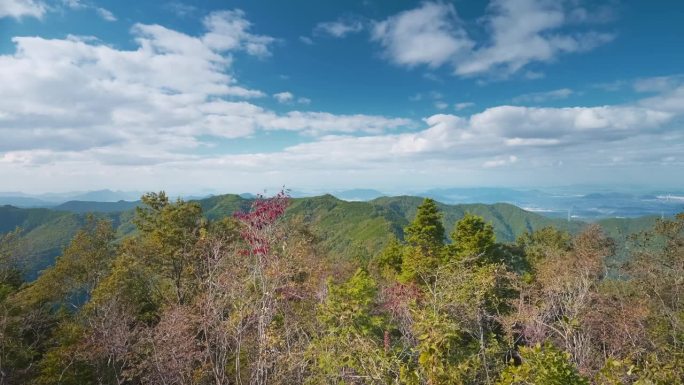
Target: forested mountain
x,y
346,229
402,290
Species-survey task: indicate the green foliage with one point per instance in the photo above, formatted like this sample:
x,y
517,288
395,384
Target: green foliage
x,y
544,242
389,261
426,232
350,304
425,240
473,238
179,298
79,269
350,345
542,366
169,232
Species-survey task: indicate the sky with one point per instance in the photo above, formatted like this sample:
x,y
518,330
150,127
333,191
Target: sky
x,y
237,96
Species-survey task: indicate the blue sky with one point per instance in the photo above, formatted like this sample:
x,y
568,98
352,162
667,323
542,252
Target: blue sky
x,y
395,95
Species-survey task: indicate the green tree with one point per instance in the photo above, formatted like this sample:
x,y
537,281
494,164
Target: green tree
x,y
169,233
544,243
389,261
425,240
542,366
473,238
350,348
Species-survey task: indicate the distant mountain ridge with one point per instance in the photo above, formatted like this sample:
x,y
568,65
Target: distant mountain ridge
x,y
565,203
346,229
24,200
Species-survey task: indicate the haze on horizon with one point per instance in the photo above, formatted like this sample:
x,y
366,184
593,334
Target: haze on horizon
x,y
397,96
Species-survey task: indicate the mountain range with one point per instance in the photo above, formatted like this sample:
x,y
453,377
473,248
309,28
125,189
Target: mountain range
x,y
347,229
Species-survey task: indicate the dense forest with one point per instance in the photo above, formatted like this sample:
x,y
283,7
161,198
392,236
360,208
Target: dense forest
x,y
173,294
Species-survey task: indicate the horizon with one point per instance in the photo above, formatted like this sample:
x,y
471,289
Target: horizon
x,y
579,189
396,96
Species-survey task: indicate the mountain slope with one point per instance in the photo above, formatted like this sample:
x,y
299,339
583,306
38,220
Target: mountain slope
x,y
96,207
345,229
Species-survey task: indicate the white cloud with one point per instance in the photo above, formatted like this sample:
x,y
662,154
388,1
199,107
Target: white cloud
x,y
540,97
526,31
658,83
22,8
229,30
339,28
672,100
463,105
519,32
283,97
289,98
165,99
430,35
105,14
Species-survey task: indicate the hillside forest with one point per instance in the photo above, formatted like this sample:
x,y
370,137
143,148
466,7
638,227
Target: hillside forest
x,y
170,294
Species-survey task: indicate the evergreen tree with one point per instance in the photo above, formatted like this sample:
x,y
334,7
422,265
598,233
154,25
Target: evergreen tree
x,y
351,346
389,261
425,239
473,238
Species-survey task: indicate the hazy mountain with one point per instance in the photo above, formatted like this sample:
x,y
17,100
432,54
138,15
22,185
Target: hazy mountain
x,y
19,199
24,201
107,196
96,207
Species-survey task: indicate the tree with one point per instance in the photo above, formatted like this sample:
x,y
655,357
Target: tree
x,y
473,238
351,347
657,271
390,259
544,243
556,306
169,233
542,366
425,240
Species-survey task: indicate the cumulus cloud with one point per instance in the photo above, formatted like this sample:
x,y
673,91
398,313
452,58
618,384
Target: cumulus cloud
x,y
519,32
162,99
480,139
229,30
22,8
340,27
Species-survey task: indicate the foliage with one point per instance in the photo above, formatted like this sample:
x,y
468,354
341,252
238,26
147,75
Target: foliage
x,y
425,240
472,238
325,291
542,366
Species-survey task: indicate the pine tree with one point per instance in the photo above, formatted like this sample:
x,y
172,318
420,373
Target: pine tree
x,y
425,240
473,238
